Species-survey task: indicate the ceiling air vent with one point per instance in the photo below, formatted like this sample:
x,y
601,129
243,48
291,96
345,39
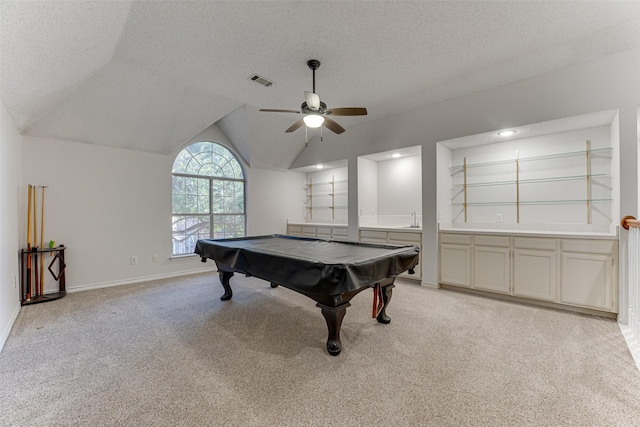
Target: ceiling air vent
x,y
259,79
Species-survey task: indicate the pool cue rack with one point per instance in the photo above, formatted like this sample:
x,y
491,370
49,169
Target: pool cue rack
x,y
31,290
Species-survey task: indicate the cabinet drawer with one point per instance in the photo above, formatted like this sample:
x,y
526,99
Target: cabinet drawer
x,y
370,234
455,239
498,241
324,231
308,231
588,246
342,233
405,237
534,243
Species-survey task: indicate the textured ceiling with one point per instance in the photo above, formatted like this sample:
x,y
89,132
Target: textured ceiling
x,y
149,76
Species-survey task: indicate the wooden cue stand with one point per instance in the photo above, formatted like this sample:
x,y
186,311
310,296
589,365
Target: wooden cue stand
x,y
28,292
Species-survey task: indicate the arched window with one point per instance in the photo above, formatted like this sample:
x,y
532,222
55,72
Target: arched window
x,y
208,196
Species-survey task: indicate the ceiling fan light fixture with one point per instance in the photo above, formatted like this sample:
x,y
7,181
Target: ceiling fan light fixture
x,y
313,120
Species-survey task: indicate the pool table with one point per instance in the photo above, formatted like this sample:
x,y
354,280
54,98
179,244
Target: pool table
x,y
329,272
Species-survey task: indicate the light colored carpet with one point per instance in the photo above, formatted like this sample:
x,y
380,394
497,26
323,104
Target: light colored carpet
x,y
171,353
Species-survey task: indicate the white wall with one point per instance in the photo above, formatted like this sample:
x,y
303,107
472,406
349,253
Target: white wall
x,y
108,204
10,154
400,186
611,82
367,192
271,199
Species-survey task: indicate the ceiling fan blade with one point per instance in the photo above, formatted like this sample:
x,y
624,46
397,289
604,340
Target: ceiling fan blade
x,y
313,100
332,126
348,111
295,126
270,110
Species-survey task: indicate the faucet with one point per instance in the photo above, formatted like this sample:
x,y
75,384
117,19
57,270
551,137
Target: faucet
x,y
414,223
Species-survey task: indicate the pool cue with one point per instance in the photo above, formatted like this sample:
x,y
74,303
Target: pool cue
x,y
28,281
35,241
41,242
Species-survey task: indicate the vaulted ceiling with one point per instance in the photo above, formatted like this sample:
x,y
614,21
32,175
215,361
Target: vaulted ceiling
x,y
149,76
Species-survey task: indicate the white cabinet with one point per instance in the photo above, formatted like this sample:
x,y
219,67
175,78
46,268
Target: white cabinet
x,y
373,236
309,231
318,231
491,263
535,268
404,238
340,233
588,274
534,274
455,260
566,272
491,269
294,230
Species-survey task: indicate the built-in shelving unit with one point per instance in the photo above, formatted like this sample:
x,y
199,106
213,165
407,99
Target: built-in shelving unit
x,y
565,178
326,192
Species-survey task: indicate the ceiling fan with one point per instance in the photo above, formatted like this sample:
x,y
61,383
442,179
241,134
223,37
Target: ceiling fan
x,y
316,112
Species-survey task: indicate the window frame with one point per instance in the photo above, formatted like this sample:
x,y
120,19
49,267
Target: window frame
x,y
211,179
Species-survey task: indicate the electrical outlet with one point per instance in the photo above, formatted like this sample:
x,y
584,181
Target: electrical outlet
x,y
15,281
498,217
133,260
154,258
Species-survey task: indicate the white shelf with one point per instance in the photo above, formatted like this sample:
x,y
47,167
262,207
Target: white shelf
x,y
583,180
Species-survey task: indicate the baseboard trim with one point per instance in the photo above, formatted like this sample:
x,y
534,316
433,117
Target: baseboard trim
x,y
7,330
430,285
138,280
522,300
633,343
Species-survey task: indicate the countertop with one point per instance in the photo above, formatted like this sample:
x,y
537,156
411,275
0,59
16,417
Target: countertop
x,y
374,227
527,233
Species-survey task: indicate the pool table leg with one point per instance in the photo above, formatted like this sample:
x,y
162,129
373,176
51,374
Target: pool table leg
x,y
387,291
334,316
225,276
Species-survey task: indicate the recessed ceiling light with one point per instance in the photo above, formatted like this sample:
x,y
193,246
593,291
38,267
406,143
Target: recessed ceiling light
x,y
396,155
508,132
319,166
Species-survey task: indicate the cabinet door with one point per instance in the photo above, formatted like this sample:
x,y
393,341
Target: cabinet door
x,y
455,265
323,232
308,231
534,274
587,281
491,269
373,236
339,233
294,230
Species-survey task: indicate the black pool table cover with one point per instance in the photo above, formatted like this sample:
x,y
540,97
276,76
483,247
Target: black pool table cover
x,y
310,266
